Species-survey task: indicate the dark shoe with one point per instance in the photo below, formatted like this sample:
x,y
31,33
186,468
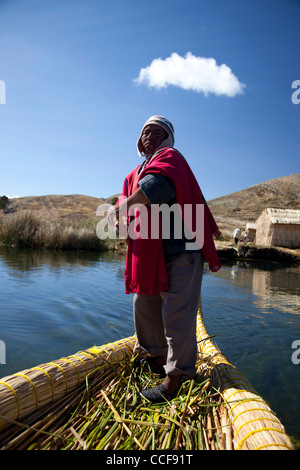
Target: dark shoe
x,y
158,394
153,366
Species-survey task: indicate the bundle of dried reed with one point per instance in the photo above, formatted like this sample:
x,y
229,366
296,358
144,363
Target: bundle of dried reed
x,y
26,392
254,425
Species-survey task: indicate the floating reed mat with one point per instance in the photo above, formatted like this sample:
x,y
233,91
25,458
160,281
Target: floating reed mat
x,y
91,400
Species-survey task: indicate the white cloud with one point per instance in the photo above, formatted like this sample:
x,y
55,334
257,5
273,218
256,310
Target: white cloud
x,y
199,74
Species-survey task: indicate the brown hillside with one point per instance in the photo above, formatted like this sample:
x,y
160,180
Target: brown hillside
x,y
236,209
73,207
233,210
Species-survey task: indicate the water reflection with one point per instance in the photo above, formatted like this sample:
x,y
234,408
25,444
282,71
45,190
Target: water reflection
x,y
56,303
279,289
26,260
21,261
274,285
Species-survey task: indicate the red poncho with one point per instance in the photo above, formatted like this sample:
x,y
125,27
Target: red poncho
x,y
145,271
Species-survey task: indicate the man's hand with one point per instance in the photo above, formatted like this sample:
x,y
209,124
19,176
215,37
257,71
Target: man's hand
x,y
117,217
215,268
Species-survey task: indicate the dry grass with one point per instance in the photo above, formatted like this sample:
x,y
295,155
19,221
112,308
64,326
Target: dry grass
x,y
33,230
230,211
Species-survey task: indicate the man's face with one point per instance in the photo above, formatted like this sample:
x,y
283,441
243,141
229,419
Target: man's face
x,y
152,137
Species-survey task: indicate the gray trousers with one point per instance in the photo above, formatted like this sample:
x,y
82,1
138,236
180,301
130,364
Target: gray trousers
x,y
165,324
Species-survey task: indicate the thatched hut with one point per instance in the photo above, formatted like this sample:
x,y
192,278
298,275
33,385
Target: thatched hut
x,y
278,227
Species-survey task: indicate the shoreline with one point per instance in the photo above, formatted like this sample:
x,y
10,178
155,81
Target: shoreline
x,y
32,230
226,251
252,252
241,252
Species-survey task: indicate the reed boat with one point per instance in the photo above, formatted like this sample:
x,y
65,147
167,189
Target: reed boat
x,y
90,400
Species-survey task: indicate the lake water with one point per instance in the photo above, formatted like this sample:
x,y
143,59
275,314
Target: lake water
x,y
55,304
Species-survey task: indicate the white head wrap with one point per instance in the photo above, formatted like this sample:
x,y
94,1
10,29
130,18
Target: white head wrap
x,y
166,125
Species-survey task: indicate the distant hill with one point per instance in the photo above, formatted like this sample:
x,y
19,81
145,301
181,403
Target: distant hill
x,y
233,210
236,209
73,206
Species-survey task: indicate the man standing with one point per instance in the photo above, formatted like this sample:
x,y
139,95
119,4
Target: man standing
x,y
237,235
165,274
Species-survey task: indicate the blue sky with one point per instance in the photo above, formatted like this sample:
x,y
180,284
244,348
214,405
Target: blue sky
x,y
72,108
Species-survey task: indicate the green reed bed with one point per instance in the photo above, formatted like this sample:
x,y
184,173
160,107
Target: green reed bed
x,y
109,414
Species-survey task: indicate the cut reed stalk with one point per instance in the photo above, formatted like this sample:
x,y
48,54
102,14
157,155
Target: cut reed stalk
x,y
104,409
